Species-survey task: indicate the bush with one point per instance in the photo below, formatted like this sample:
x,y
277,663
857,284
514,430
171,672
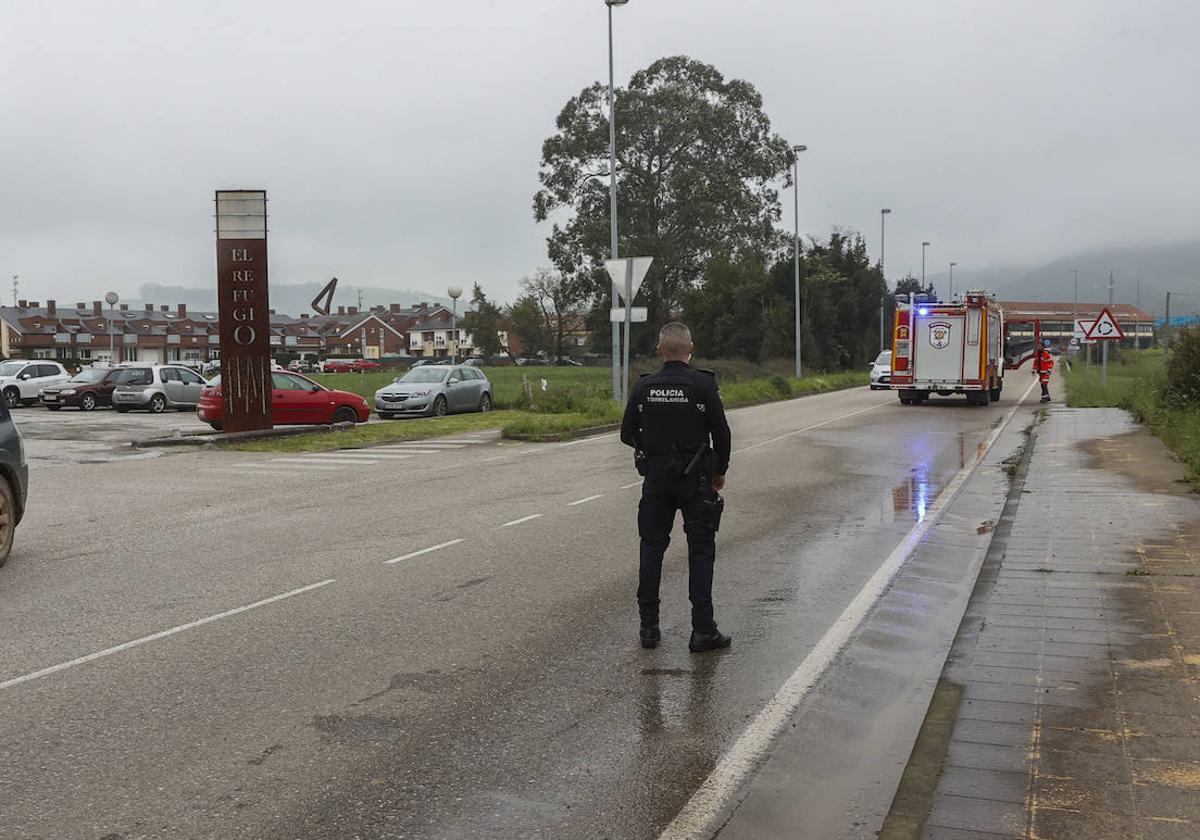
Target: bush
x,y
1183,368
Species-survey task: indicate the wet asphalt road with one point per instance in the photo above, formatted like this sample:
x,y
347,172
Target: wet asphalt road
x,y
491,687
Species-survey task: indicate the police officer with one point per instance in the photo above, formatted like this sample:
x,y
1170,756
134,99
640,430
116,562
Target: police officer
x,y
669,420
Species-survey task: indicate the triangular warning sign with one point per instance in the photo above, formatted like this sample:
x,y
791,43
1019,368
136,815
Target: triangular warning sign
x,y
631,269
1105,328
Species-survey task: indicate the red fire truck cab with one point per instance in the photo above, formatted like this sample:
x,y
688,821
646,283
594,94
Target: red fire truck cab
x,y
948,348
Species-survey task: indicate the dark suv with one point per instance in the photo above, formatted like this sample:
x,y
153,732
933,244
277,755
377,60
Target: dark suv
x,y
89,389
14,482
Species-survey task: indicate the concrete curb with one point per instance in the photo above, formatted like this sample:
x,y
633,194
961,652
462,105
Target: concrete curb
x,y
570,434
206,439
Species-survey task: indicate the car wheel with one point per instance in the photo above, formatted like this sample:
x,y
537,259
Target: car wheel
x,y
485,403
439,407
8,520
12,397
217,425
158,404
345,414
87,402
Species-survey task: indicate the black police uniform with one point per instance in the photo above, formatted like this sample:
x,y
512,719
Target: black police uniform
x,y
670,417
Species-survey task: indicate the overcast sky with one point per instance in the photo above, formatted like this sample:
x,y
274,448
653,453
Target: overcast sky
x,y
399,141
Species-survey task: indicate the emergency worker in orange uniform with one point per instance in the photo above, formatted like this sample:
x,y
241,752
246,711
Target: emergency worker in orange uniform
x,y
1043,363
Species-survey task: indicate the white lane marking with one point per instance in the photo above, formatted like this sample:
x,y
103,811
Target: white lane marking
x,y
273,467
408,450
431,548
593,439
522,519
807,428
710,799
531,452
359,455
309,461
631,484
428,444
496,458
588,499
162,634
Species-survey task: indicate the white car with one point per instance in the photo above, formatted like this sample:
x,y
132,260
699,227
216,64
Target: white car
x,y
21,382
881,371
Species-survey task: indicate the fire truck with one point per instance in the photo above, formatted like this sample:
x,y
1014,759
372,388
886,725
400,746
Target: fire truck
x,y
948,348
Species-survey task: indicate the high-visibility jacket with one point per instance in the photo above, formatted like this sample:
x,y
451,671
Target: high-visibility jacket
x,y
1043,363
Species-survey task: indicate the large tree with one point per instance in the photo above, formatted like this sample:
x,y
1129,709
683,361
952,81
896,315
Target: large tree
x,y
558,295
697,169
482,322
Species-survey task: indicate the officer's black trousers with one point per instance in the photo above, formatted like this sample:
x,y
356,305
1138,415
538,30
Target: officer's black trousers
x,y
663,492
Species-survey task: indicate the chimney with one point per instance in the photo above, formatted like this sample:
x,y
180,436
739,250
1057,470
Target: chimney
x,y
81,305
341,310
164,308
124,307
351,310
33,304
394,309
22,304
182,308
97,308
149,307
303,316
51,308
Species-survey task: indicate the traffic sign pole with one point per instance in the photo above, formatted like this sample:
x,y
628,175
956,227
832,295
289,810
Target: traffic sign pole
x,y
628,328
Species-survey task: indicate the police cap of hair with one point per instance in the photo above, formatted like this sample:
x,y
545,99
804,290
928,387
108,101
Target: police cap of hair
x,y
675,337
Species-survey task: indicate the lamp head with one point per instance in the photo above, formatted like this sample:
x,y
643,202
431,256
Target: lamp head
x,y
885,211
799,149
615,2
924,244
953,264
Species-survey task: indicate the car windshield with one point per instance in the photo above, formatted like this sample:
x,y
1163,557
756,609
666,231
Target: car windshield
x,y
884,358
424,375
90,375
11,368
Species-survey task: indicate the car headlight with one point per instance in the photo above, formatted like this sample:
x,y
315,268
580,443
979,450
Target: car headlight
x,y
420,394
69,392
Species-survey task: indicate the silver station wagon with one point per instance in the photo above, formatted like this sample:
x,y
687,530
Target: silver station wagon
x,y
435,390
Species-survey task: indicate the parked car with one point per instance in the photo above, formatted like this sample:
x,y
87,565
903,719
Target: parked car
x,y
295,400
881,371
435,390
20,382
532,361
155,388
564,362
337,366
211,368
364,365
300,366
87,390
14,482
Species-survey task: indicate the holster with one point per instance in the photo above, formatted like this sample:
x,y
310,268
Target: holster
x,y
640,462
713,505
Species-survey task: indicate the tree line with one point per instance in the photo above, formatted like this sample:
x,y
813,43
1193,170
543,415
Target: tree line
x,y
699,173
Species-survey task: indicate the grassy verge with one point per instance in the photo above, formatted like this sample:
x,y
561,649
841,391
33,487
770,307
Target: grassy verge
x,y
390,431
1136,381
570,400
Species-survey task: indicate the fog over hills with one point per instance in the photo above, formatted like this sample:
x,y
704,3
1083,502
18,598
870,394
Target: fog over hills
x,y
1161,267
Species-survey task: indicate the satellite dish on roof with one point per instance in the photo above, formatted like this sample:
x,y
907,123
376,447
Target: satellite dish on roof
x,y
111,298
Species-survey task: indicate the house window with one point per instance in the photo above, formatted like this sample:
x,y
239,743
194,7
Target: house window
x,y
85,354
172,354
129,353
42,353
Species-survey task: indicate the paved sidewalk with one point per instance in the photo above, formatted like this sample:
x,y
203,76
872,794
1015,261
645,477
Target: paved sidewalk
x,y
1069,706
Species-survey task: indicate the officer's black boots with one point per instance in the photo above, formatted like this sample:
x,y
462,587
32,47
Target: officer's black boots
x,y
650,635
716,640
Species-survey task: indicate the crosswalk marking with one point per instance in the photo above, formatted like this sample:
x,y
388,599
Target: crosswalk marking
x,y
309,461
272,467
394,456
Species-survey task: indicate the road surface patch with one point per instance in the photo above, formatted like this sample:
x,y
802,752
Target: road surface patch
x,y
162,634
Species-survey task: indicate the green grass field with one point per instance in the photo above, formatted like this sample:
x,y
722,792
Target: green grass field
x,y
573,398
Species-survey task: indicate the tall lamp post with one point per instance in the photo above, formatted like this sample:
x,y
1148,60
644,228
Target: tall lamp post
x,y
1074,301
883,214
111,299
796,150
924,245
952,280
455,293
617,386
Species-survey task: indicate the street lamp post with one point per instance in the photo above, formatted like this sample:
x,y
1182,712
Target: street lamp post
x,y
455,293
951,298
111,299
883,214
924,245
617,385
796,206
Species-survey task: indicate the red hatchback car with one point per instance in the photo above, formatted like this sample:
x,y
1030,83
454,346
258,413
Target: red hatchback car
x,y
295,400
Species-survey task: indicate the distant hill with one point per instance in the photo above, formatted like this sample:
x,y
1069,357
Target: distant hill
x,y
1173,266
288,299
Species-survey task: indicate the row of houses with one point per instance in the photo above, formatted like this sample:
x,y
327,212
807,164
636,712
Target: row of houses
x,y
99,334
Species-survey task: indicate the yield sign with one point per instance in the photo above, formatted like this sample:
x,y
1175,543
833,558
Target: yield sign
x,y
1082,325
632,269
1105,328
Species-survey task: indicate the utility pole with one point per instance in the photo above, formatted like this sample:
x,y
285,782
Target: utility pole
x,y
883,214
796,150
617,385
1167,323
